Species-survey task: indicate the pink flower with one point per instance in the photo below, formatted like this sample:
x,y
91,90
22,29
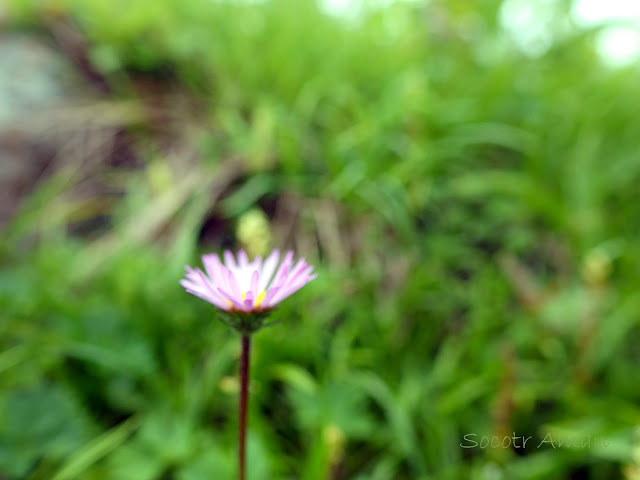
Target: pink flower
x,y
241,286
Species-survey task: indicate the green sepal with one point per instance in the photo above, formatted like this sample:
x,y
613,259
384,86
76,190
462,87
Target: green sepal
x,y
245,323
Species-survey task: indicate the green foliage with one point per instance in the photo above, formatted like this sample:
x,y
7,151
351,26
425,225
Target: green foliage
x,y
473,213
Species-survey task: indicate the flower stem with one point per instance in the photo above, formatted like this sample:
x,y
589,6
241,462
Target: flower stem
x,y
244,401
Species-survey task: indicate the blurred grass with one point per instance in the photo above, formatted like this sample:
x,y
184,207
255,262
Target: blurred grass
x,y
473,213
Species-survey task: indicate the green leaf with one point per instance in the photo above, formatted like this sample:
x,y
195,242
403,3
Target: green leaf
x,y
95,450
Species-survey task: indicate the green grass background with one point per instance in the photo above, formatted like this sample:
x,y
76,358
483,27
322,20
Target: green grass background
x,y
472,211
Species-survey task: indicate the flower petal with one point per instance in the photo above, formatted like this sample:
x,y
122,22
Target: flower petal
x,y
229,260
208,286
233,285
297,270
235,303
212,266
281,274
196,290
268,267
291,287
243,259
255,277
248,302
267,302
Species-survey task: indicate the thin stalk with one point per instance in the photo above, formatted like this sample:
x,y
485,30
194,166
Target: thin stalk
x,y
244,402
